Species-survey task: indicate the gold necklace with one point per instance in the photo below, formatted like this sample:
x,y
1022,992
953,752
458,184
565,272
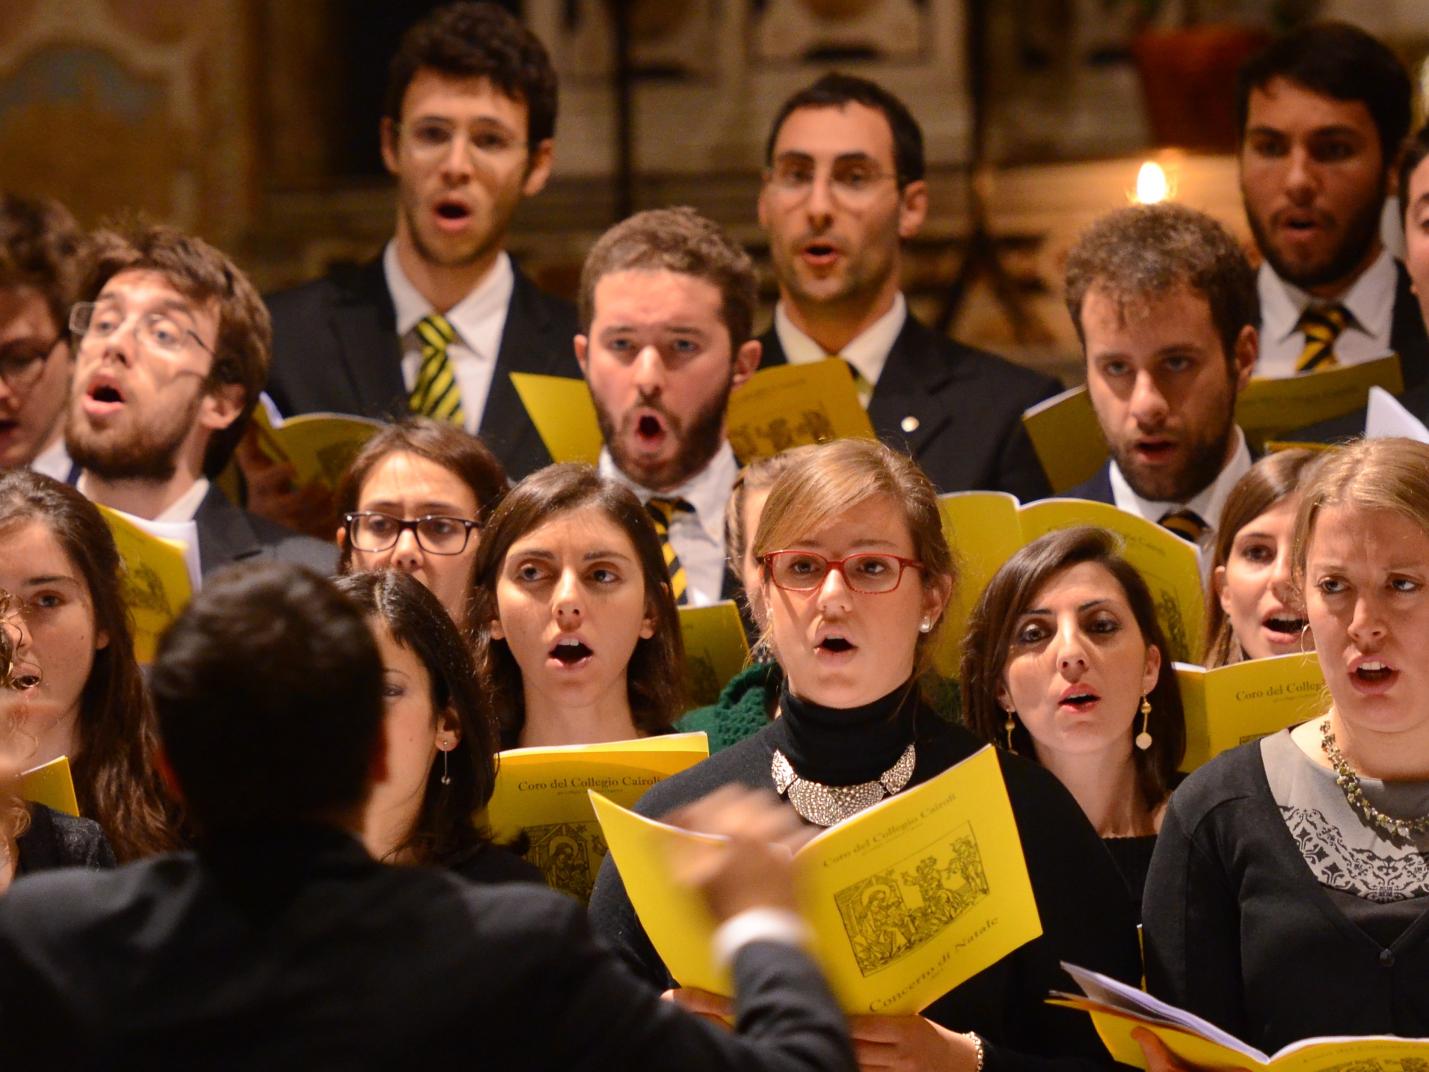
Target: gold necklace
x,y
1349,784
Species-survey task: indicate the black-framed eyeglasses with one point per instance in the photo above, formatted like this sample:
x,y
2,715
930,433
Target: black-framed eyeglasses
x,y
369,530
22,364
804,571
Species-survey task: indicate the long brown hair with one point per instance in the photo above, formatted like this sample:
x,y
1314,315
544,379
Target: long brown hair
x,y
1265,484
443,831
655,676
994,620
114,776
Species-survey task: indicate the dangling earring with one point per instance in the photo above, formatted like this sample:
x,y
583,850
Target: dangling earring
x,y
1143,739
1009,726
446,766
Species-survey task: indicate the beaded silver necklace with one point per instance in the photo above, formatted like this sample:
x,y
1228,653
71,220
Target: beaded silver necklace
x,y
825,805
1349,784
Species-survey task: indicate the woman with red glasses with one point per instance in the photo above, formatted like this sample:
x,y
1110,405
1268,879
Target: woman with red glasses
x,y
856,573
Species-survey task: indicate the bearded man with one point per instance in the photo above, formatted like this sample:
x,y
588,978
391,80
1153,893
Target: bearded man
x,y
667,309
171,351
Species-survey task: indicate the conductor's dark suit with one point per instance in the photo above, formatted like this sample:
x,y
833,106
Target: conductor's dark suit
x,y
335,349
955,410
298,951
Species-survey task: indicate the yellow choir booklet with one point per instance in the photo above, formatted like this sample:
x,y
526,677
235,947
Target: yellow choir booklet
x,y
1069,442
1243,702
791,405
561,409
777,408
541,792
906,900
157,581
1066,438
1268,408
1117,1010
318,446
52,785
716,649
985,529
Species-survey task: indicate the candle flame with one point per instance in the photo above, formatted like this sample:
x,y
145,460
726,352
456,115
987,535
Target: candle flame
x,y
1151,184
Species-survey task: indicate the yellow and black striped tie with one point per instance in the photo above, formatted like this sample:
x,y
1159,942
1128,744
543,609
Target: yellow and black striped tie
x,y
662,512
1322,325
1187,524
436,393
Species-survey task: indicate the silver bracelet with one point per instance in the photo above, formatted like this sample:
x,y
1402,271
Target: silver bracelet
x,y
976,1040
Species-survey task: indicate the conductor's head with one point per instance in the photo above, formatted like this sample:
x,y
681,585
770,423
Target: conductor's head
x,y
268,691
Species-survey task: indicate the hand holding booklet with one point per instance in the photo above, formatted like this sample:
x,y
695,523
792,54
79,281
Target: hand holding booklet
x,y
1117,1010
906,900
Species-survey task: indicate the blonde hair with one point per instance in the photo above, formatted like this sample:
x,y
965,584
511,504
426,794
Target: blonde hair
x,y
1372,474
831,479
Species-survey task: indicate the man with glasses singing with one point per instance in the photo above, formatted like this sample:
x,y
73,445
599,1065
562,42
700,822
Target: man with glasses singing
x,y
171,350
843,187
435,326
40,246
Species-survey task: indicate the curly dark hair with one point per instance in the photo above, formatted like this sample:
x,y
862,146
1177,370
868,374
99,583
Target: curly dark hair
x,y
479,40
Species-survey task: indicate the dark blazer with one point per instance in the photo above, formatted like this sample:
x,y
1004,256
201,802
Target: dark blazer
x,y
295,950
228,534
1097,489
965,409
1408,339
335,349
54,839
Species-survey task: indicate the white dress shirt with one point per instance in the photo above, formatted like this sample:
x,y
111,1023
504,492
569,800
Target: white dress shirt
x,y
54,461
1206,504
479,320
697,538
1369,301
867,352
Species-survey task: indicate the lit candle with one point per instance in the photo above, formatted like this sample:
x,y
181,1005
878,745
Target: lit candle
x,y
1151,184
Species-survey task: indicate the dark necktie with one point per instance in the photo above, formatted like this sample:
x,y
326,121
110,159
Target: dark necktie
x,y
1186,524
1322,325
662,511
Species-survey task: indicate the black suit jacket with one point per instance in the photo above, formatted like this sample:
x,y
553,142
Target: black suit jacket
x,y
335,349
964,407
227,534
1097,489
298,951
1408,339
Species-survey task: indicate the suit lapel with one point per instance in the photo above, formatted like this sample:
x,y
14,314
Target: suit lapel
x,y
906,406
1407,335
365,324
533,340
224,533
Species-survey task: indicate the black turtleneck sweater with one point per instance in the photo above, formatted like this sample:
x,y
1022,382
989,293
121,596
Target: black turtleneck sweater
x,y
1087,918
